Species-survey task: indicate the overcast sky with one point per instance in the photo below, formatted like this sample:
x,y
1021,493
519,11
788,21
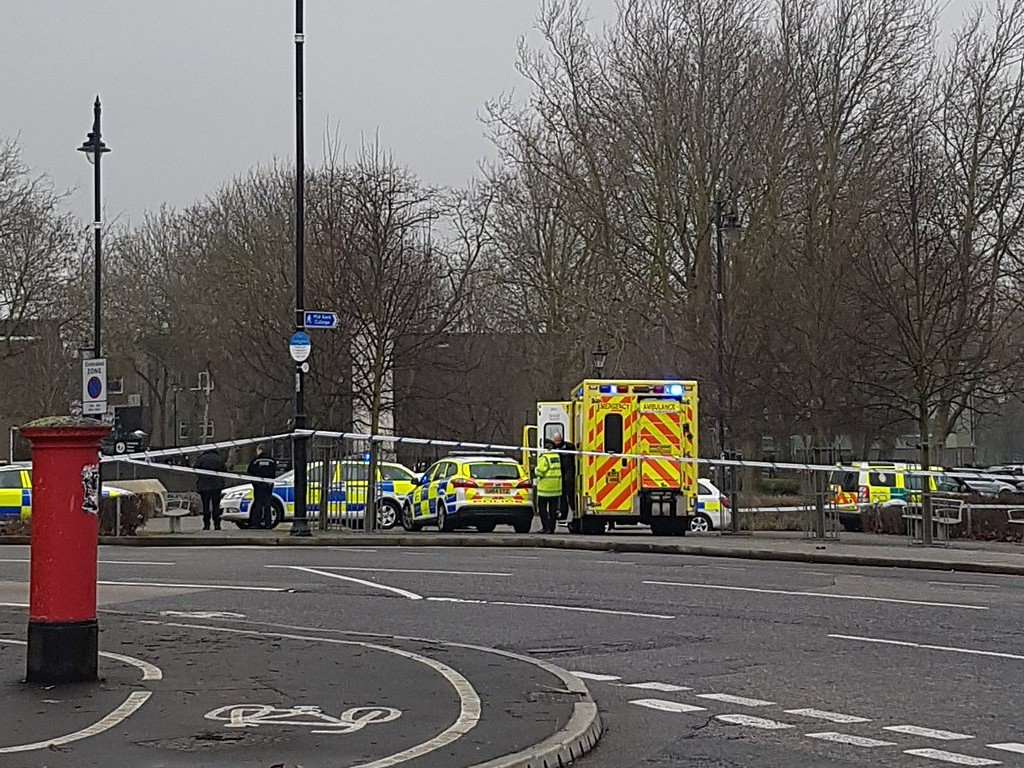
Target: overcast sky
x,y
197,91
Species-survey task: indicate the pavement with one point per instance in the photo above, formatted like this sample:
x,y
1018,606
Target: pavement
x,y
692,661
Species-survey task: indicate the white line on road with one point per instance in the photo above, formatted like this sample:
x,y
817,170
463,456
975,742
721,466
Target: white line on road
x,y
663,705
926,646
126,709
101,562
242,587
353,580
971,584
727,698
950,757
595,677
927,733
612,562
149,671
575,608
753,722
13,605
401,570
469,700
866,598
846,738
1009,746
655,686
832,717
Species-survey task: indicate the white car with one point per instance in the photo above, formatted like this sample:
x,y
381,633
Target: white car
x,y
983,484
713,513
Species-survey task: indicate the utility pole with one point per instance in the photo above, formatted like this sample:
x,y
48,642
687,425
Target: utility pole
x,y
729,474
300,524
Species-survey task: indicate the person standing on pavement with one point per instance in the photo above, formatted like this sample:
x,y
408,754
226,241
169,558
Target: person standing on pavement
x,y
567,461
261,512
210,486
549,487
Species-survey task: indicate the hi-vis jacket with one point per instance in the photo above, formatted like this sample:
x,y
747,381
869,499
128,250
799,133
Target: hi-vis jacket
x,y
549,475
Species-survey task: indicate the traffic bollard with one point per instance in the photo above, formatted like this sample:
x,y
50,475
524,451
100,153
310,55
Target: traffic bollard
x,y
63,636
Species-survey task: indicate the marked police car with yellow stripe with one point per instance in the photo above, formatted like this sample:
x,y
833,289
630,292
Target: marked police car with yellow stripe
x,y
462,491
16,492
346,494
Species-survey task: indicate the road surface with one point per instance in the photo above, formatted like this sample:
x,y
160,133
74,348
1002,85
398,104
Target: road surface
x,y
692,661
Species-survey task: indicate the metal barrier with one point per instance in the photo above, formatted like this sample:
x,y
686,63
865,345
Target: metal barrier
x,y
821,517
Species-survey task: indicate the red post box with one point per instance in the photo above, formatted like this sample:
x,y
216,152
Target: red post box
x,y
63,636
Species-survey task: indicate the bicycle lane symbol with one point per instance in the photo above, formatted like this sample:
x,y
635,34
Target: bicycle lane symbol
x,y
256,715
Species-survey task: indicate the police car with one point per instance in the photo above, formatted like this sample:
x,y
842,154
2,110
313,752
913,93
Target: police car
x,y
16,492
479,491
713,513
346,495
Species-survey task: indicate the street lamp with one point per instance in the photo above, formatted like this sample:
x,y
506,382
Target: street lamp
x,y
599,357
300,524
94,149
725,221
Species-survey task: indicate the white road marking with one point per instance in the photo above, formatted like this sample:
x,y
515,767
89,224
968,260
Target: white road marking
x,y
973,585
727,698
352,579
126,709
469,700
663,705
595,677
865,598
927,733
13,605
753,722
1009,746
950,757
926,646
404,570
655,686
101,562
242,587
853,741
575,608
612,562
832,717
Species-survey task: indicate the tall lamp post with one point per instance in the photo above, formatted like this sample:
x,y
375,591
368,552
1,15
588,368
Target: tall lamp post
x,y
94,149
300,524
725,221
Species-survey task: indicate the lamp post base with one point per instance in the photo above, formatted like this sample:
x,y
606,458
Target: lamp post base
x,y
63,653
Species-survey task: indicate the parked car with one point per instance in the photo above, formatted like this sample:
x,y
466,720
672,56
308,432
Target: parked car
x,y
981,484
1010,473
713,513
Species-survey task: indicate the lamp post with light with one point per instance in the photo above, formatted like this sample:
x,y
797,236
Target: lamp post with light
x,y
94,149
725,221
598,359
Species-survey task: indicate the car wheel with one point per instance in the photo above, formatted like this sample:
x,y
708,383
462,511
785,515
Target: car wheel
x,y
701,523
444,521
486,527
523,525
243,524
407,521
276,515
387,514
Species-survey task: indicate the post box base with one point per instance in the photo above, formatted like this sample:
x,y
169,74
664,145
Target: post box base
x,y
63,653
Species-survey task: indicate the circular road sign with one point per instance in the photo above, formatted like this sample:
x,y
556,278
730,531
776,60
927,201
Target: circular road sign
x,y
94,387
299,346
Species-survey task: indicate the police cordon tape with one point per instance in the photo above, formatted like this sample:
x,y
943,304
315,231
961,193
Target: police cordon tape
x,y
144,458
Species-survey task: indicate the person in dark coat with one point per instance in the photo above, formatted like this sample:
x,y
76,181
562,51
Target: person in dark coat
x,y
567,506
210,487
261,511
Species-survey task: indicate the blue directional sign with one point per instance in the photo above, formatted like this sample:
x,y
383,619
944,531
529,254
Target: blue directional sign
x,y
320,319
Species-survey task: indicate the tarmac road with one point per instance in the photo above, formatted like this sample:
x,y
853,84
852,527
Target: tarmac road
x,y
692,661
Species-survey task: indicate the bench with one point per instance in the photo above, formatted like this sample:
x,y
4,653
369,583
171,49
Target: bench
x,y
946,513
1015,517
177,507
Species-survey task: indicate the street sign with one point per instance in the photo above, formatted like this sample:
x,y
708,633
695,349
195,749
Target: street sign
x,y
94,387
320,319
299,346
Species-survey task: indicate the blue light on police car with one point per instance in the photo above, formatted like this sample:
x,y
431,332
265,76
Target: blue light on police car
x,y
675,390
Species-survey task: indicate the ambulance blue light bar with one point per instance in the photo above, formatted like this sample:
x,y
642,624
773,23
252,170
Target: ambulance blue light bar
x,y
675,390
609,389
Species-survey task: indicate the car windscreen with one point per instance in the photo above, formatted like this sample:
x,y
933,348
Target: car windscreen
x,y
845,480
494,471
391,472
